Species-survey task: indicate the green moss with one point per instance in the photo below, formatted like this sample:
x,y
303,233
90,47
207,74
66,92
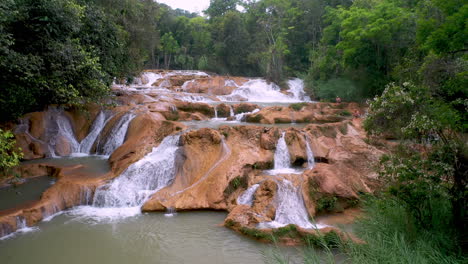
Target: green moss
x,y
343,129
328,131
256,233
281,120
254,118
326,203
286,231
229,223
243,108
345,113
234,184
297,106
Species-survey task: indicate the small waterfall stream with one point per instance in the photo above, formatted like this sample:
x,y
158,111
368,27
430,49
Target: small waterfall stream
x,y
310,155
116,135
98,125
282,159
58,126
290,208
247,196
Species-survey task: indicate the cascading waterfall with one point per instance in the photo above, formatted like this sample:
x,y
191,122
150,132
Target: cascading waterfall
x,y
231,111
58,126
98,125
310,155
216,111
141,179
296,88
116,136
290,208
282,157
259,90
247,196
241,116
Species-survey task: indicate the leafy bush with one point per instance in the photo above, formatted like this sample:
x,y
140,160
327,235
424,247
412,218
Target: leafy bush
x,y
9,155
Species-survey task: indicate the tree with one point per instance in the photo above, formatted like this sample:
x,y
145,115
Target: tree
x,y
169,47
219,8
441,172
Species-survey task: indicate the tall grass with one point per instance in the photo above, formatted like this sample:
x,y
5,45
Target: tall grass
x,y
391,236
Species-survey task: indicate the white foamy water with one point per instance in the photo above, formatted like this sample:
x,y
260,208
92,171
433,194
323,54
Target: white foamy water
x,y
98,125
22,228
259,90
125,195
310,155
290,208
116,136
282,159
296,88
58,127
247,196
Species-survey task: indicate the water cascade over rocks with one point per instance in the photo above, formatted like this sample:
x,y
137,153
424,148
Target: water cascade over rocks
x,y
116,136
282,159
296,88
247,196
126,194
290,208
98,125
259,90
310,155
58,128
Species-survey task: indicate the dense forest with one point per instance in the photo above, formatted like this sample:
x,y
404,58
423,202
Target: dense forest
x,y
67,51
408,57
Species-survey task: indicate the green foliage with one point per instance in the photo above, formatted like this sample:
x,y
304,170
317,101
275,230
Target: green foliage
x,y
326,203
9,155
389,227
328,90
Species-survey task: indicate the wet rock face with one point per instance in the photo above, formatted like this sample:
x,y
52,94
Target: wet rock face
x,y
263,203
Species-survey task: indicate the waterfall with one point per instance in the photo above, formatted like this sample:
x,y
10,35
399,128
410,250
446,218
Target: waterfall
x,y
310,155
58,126
98,125
216,111
241,116
231,111
290,208
247,196
296,88
282,158
259,90
141,179
116,136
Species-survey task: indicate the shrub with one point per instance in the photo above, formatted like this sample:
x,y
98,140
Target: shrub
x,y
9,155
